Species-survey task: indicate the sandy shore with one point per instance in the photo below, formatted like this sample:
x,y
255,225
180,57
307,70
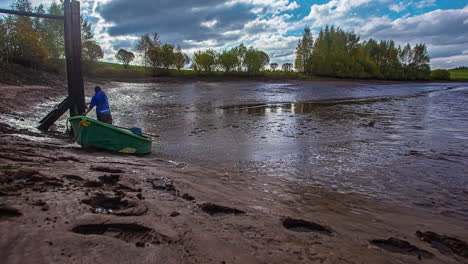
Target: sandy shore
x,y
63,204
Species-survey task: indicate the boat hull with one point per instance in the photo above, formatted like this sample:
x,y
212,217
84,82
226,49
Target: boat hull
x,y
91,132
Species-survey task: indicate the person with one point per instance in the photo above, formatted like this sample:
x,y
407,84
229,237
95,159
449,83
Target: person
x,y
101,102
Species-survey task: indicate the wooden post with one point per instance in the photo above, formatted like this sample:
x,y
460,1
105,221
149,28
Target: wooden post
x,y
73,55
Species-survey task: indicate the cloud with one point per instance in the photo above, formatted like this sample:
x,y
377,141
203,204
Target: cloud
x,y
398,8
439,29
425,3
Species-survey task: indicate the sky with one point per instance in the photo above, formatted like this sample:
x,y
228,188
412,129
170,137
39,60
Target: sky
x,y
275,26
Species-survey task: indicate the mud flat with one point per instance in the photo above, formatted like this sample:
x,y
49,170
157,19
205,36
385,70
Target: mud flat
x,y
63,204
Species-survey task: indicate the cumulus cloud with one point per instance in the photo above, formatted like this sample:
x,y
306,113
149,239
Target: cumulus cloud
x,y
400,7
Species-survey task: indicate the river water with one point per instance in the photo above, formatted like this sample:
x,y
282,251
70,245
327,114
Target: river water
x,y
404,143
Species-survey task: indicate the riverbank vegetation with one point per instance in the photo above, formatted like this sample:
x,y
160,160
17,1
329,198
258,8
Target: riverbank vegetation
x,y
336,53
38,43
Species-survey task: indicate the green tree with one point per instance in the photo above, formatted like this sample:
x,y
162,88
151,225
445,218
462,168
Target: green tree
x,y
255,59
167,56
125,57
304,50
55,32
154,55
205,60
228,60
240,52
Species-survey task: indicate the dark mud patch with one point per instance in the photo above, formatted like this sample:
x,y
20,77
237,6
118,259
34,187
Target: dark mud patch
x,y
214,209
107,169
396,245
187,197
7,212
163,184
299,225
109,179
445,244
10,176
103,204
109,203
130,233
92,184
73,177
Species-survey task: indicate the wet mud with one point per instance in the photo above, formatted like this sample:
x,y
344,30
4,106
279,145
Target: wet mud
x,y
130,233
445,244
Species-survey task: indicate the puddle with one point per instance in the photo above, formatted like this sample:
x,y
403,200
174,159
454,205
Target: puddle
x,y
299,225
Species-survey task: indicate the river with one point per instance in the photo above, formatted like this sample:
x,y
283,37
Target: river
x,y
402,143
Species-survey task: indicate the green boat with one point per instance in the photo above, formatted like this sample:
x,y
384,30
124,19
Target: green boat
x,y
91,132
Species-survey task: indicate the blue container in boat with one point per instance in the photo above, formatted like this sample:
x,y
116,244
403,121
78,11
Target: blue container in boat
x,y
137,131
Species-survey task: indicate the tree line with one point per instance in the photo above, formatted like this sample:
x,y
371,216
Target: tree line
x,y
162,57
336,53
34,42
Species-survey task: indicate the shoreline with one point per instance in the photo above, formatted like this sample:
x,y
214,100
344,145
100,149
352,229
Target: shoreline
x,y
52,210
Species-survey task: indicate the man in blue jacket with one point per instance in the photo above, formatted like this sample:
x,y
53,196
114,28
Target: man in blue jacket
x,y
102,106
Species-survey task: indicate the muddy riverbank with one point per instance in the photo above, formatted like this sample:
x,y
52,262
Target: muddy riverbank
x,y
64,204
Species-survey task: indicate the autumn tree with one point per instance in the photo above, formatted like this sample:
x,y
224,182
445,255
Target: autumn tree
x,y
273,66
125,57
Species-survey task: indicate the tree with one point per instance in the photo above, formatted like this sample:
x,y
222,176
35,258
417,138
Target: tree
x,y
54,32
143,45
91,52
239,51
125,57
167,56
154,58
304,51
273,66
228,60
287,67
255,59
205,60
180,59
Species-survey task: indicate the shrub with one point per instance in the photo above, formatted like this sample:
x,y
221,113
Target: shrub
x,y
440,75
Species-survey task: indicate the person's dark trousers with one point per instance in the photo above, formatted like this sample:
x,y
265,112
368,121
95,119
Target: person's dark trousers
x,y
106,118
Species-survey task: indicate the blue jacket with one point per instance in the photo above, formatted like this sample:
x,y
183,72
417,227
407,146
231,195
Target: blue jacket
x,y
100,101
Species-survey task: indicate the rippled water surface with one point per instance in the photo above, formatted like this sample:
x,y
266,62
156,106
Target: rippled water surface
x,y
400,142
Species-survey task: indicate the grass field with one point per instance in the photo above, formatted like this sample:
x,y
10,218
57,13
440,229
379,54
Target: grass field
x,y
459,74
